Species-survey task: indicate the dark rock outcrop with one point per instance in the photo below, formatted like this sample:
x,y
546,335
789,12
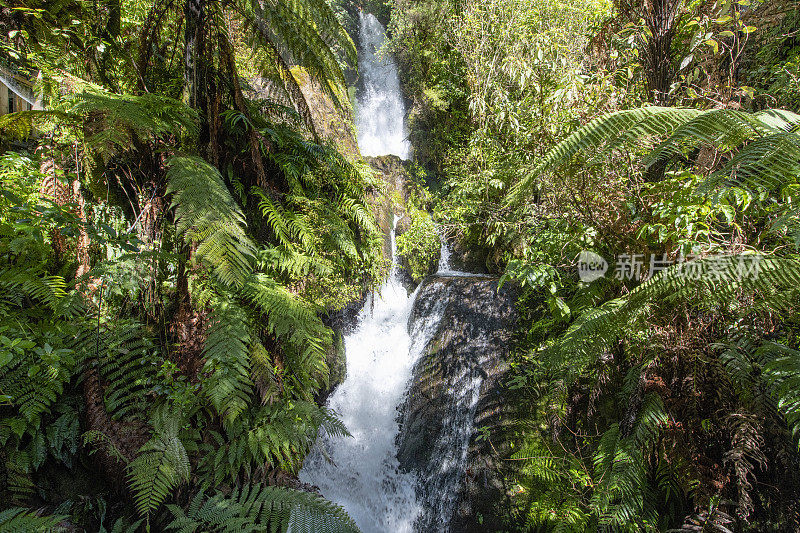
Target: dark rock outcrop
x,y
336,360
455,400
468,259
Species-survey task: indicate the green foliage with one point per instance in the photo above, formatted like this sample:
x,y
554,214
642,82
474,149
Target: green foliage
x,y
21,520
630,482
261,508
164,261
494,84
678,131
275,434
208,215
306,31
227,360
771,68
419,245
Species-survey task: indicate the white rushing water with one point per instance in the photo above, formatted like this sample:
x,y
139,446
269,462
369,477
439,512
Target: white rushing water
x,y
380,113
361,473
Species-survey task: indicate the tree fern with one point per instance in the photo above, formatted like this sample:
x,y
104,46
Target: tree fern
x,y
303,32
609,130
113,120
257,507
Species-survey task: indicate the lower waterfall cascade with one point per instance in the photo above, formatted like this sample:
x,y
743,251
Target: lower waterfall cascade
x,y
362,472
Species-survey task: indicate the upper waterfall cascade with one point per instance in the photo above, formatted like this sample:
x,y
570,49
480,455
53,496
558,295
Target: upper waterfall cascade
x,y
380,113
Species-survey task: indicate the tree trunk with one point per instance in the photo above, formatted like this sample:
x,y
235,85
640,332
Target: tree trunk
x,y
660,17
194,12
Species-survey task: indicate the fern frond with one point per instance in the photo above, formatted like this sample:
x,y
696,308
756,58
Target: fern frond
x,y
126,360
281,436
291,319
227,355
723,129
114,118
258,507
48,290
32,377
274,435
768,144
22,520
298,32
605,133
162,463
766,163
782,373
206,213
289,228
621,494
279,261
714,280
355,211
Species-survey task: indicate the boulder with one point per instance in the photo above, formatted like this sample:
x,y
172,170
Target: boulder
x,y
456,400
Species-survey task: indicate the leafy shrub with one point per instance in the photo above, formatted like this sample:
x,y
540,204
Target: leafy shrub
x,y
419,246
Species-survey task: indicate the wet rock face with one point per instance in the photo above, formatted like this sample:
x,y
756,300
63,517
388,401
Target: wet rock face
x,y
457,388
393,172
468,259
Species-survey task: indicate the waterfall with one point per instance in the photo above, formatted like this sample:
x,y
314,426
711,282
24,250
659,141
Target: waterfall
x,y
395,331
380,113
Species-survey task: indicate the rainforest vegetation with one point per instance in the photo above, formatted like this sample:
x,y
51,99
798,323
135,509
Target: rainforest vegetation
x,y
184,213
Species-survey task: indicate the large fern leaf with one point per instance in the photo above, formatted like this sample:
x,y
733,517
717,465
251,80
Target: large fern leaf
x,y
208,215
21,520
256,508
162,463
227,353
